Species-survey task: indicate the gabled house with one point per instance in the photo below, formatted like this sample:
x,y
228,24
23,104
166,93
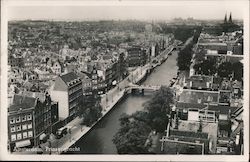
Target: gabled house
x,y
56,67
31,117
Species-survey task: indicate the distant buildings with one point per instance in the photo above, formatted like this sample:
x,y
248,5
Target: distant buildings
x,y
229,25
56,67
207,117
137,56
15,61
86,83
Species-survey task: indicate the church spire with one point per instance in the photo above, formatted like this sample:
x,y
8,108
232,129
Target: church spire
x,y
225,19
230,18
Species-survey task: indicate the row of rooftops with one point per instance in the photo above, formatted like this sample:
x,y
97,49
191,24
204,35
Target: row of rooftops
x,y
225,41
222,109
211,92
200,111
70,78
207,82
26,100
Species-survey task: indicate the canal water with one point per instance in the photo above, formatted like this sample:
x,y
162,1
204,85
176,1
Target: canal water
x,y
99,139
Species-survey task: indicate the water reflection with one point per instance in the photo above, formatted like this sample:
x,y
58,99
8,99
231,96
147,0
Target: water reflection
x,y
99,139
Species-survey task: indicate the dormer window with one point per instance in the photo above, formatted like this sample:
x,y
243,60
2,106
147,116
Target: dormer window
x,y
210,98
29,117
12,120
18,119
24,118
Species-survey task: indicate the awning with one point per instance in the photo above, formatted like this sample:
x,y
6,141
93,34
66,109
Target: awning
x,y
42,136
23,143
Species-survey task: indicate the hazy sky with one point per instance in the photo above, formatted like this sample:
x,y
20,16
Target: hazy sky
x,y
163,10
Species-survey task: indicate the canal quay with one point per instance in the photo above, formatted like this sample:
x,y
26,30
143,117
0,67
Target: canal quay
x,y
98,140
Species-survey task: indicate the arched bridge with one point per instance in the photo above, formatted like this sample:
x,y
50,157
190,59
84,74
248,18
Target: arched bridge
x,y
142,87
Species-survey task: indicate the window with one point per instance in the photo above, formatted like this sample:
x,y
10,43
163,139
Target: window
x,y
30,134
12,129
19,136
13,137
30,126
223,117
12,120
18,128
24,126
18,119
24,118
210,98
29,117
25,135
236,91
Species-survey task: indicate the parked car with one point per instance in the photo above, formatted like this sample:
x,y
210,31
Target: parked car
x,y
61,132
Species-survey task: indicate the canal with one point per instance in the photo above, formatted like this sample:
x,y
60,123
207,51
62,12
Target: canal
x,y
99,139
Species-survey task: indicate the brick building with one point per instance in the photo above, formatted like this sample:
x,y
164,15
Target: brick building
x,y
67,91
137,56
31,117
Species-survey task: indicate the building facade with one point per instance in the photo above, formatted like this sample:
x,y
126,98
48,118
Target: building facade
x,y
67,91
136,56
31,117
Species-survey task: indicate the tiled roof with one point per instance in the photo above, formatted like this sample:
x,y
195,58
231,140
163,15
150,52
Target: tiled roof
x,y
189,134
217,80
189,105
69,77
196,96
203,78
22,101
200,81
84,77
40,96
222,109
27,85
218,108
43,86
107,57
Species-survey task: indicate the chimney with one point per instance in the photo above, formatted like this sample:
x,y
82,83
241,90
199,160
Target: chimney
x,y
191,83
33,95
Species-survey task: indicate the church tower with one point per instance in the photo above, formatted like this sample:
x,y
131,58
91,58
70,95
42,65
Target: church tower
x,y
225,19
230,19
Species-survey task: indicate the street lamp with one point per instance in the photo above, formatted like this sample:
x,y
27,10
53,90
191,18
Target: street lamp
x,y
106,96
132,79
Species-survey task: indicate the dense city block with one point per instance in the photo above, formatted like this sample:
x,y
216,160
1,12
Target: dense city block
x,y
66,77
